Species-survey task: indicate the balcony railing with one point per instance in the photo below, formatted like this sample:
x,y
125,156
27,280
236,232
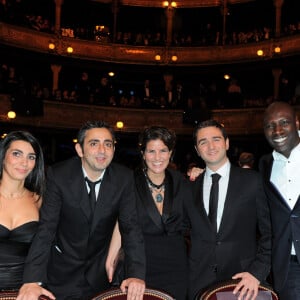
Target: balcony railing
x,y
186,56
64,116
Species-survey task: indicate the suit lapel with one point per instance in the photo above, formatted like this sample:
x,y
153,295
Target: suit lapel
x,y
75,182
105,197
231,195
145,197
198,198
169,195
297,205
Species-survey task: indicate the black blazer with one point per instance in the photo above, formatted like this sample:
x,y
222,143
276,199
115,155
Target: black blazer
x,y
236,247
172,221
285,225
70,246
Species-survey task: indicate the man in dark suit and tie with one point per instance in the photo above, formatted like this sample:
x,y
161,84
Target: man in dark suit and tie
x,y
280,171
225,243
70,248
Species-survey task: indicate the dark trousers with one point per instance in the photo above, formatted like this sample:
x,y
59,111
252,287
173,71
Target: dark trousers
x,y
291,289
83,291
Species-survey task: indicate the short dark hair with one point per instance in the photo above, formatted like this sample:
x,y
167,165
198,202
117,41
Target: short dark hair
x,y
35,181
90,125
168,137
209,123
246,158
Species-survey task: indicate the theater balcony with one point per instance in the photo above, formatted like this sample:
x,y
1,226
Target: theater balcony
x,y
64,116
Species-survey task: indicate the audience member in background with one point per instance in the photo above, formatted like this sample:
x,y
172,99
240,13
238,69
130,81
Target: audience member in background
x,y
234,95
179,96
196,111
224,242
103,92
161,193
83,88
285,90
21,189
246,160
280,171
148,94
85,196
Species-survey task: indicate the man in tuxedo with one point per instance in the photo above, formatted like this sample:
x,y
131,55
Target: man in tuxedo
x,y
69,250
227,245
280,171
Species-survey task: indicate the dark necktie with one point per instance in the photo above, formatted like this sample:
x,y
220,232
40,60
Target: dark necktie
x,y
92,193
213,200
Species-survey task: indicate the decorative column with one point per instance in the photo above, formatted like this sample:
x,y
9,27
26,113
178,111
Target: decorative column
x,y
170,16
276,74
168,78
224,13
58,4
55,70
278,5
115,10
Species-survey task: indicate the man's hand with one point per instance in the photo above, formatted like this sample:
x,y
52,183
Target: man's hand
x,y
194,173
134,288
248,286
32,291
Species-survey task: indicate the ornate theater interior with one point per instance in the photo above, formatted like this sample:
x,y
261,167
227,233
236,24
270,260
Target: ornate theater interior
x,y
64,62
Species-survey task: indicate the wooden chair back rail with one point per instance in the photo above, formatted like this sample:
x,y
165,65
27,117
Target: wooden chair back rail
x,y
210,293
117,294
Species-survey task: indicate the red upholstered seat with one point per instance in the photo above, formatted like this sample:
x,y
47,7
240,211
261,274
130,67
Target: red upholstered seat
x,y
12,295
228,286
117,294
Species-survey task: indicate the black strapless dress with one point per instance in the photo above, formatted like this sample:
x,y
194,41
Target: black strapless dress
x,y
14,246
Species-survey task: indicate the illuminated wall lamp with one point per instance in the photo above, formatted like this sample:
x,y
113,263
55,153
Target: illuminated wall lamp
x,y
157,57
168,4
260,52
11,114
277,49
174,58
120,124
51,46
70,49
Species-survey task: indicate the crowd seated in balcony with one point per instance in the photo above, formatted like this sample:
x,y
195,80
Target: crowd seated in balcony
x,y
170,94
12,11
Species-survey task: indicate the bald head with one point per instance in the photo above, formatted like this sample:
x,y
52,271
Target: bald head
x,y
280,127
279,106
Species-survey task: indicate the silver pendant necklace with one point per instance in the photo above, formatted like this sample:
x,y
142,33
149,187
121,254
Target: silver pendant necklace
x,y
159,193
156,188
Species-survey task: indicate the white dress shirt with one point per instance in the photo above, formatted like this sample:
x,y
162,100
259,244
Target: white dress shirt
x,y
97,186
285,177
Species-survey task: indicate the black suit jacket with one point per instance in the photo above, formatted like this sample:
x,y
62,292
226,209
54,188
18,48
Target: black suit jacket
x,y
236,247
285,225
172,221
70,247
